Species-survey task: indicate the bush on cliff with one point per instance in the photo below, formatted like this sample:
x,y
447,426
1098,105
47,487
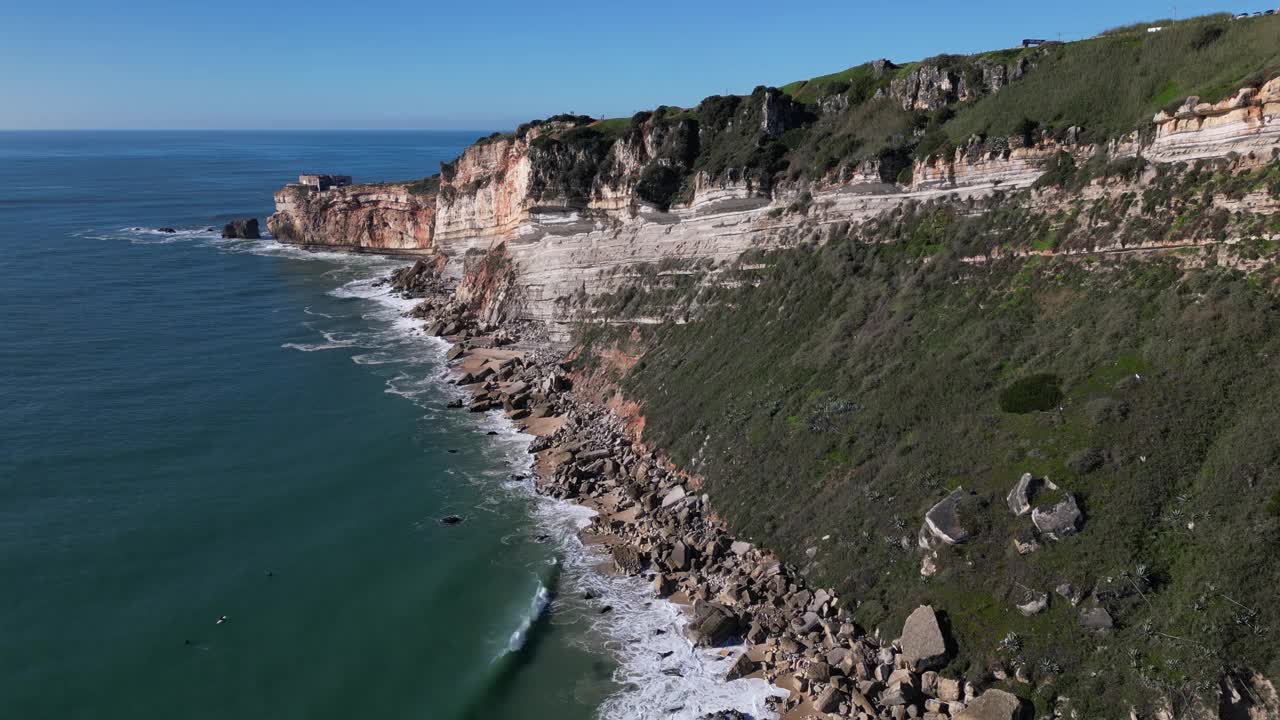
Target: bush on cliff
x,y
1034,393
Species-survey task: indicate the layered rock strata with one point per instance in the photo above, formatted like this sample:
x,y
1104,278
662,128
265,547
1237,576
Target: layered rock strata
x,y
572,214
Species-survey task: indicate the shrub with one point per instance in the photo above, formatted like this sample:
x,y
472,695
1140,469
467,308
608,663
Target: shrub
x,y
1032,393
1103,411
659,184
1083,462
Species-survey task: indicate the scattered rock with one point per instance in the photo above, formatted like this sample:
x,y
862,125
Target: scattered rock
x,y
451,520
166,230
923,645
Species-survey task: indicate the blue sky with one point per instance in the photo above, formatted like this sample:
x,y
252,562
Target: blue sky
x,y
471,65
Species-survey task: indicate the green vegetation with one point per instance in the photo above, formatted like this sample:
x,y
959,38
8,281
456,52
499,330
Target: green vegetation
x,y
842,387
859,84
1036,393
425,186
872,121
1114,84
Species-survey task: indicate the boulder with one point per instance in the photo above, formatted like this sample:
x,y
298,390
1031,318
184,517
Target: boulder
x,y
943,521
994,705
1062,519
741,667
674,496
627,559
923,645
740,548
1096,619
662,585
712,624
818,672
679,557
1024,541
242,229
950,689
828,701
1035,604
1021,495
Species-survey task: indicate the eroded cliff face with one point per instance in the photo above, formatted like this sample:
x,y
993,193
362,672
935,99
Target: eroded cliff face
x,y
933,85
535,221
1247,124
392,217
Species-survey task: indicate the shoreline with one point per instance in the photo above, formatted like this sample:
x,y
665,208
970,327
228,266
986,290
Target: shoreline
x,y
741,602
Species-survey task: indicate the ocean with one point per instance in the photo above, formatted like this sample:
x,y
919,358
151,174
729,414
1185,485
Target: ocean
x,y
223,465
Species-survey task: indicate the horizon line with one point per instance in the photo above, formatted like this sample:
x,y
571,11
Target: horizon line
x,y
336,129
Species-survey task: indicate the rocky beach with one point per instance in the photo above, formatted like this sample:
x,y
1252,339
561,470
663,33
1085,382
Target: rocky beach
x,y
652,522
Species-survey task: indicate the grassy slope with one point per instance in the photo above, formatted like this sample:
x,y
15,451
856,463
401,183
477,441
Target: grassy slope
x,y
1114,84
850,386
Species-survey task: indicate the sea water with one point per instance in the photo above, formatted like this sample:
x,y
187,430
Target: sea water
x,y
223,464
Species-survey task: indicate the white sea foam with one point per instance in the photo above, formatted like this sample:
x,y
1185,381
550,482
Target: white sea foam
x,y
661,673
541,600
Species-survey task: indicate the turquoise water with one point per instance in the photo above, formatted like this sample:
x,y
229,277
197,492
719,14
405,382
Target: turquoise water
x,y
192,429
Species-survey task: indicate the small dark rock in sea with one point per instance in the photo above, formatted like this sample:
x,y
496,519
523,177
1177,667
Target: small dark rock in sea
x,y
659,631
492,432
450,520
667,654
166,230
673,672
455,403
452,451
542,538
606,609
588,595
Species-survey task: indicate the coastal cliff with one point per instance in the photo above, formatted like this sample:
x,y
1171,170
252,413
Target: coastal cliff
x,y
577,206
387,217
989,334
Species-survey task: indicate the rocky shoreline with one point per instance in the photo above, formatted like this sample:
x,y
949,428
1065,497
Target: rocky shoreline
x,y
656,525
